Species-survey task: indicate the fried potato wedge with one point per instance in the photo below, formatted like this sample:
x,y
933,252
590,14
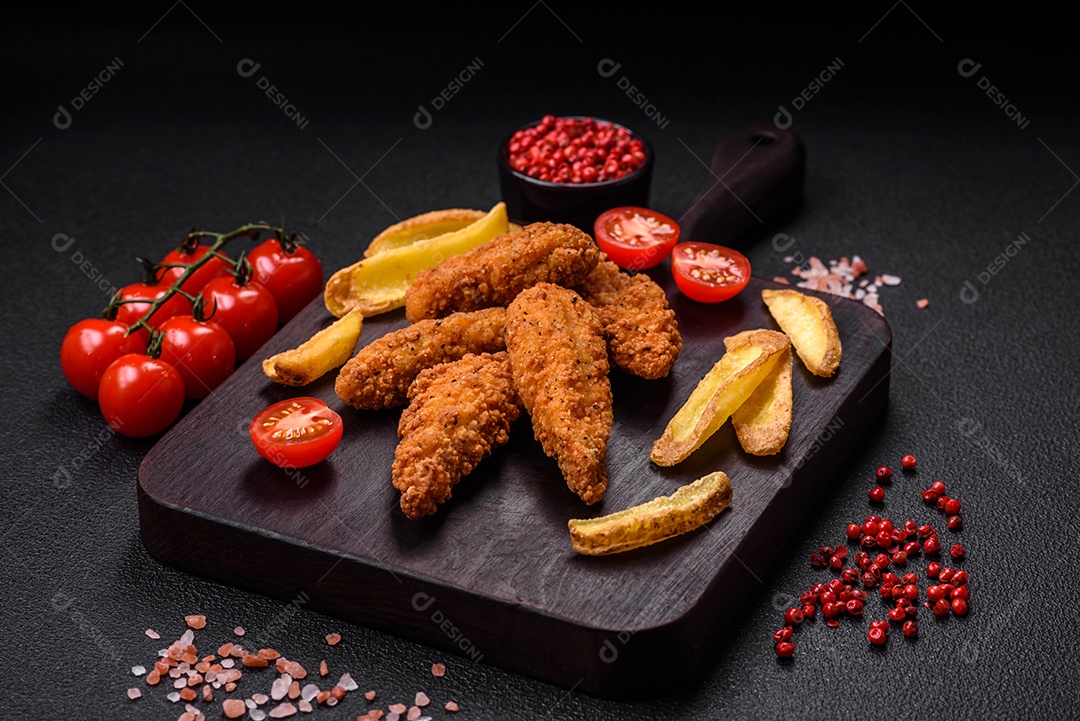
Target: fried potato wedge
x,y
422,227
808,321
690,507
377,283
763,422
726,387
328,349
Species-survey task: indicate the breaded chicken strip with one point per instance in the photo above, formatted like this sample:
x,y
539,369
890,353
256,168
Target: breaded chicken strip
x,y
641,331
458,413
560,365
495,272
379,375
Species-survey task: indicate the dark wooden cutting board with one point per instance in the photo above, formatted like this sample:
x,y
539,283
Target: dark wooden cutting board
x,y
492,575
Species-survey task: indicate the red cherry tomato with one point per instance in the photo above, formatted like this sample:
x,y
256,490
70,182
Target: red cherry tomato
x,y
709,273
297,432
636,238
295,279
202,353
90,346
129,313
248,313
140,396
214,268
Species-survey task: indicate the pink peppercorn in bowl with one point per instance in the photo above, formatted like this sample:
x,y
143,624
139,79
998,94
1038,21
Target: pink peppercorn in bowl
x,y
570,169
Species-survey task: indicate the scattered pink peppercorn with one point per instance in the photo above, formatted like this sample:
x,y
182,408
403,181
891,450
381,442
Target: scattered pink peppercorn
x,y
908,462
883,474
876,494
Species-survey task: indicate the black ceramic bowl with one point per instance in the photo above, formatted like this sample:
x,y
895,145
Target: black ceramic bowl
x,y
529,200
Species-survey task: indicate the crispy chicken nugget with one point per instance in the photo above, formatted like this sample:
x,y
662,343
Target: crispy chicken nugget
x,y
379,375
560,365
458,413
495,272
640,327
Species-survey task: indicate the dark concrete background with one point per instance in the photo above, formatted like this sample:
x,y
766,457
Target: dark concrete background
x,y
910,164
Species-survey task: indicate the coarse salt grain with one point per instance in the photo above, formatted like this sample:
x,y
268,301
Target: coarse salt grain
x,y
173,696
414,713
840,277
347,682
333,638
323,668
397,708
257,714
422,699
370,695
282,710
151,633
227,663
452,706
196,621
134,693
239,631
922,303
392,716
280,687
438,670
260,698
305,706
138,670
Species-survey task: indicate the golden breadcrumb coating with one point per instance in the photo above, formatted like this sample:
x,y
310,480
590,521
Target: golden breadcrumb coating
x,y
639,325
560,365
458,413
495,272
379,375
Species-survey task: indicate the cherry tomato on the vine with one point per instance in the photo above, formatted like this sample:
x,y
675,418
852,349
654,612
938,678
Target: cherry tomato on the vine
x,y
709,273
297,432
295,279
129,313
202,353
140,396
247,312
213,268
90,346
635,238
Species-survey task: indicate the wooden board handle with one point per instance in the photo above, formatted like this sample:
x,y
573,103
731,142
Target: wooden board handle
x,y
756,177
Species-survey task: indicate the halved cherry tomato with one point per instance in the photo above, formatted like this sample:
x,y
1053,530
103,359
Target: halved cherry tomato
x,y
247,312
202,353
297,432
129,313
140,396
709,273
295,279
213,268
90,346
636,238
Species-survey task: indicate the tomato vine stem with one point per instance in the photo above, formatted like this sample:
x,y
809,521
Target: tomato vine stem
x,y
220,240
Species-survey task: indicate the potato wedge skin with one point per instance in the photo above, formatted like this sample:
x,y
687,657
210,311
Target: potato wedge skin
x,y
328,349
378,283
422,227
690,507
808,321
719,394
763,422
